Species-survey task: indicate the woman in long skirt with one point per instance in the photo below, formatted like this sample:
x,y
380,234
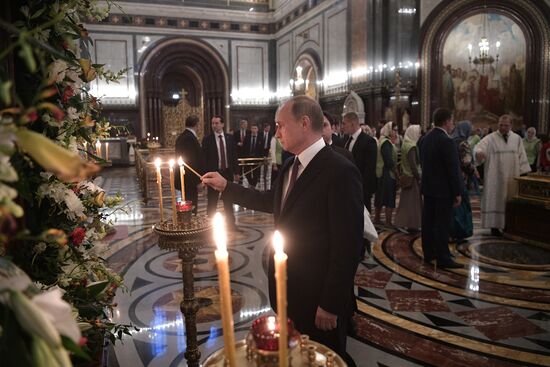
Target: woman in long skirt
x,y
386,172
409,211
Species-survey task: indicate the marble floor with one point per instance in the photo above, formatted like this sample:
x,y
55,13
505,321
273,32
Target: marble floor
x,y
493,312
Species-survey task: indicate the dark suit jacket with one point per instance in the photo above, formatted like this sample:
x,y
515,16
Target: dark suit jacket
x,y
259,149
322,224
338,140
440,165
346,153
364,154
188,147
269,136
237,138
210,154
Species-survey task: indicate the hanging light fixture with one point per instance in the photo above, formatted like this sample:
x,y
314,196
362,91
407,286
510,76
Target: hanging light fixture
x,y
484,57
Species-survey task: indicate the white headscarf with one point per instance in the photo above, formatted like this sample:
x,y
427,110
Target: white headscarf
x,y
412,133
386,130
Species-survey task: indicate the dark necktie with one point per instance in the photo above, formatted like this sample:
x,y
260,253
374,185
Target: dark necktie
x,y
348,143
265,140
242,136
253,145
223,164
505,138
293,177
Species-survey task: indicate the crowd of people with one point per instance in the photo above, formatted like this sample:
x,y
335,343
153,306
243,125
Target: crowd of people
x,y
324,176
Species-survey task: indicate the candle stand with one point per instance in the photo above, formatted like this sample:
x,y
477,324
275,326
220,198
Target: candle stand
x,y
308,354
187,238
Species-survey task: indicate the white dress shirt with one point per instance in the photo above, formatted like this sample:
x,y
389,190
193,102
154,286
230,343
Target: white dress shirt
x,y
305,157
354,139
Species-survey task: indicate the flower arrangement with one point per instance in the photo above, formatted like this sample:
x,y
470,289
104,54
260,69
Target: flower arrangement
x,y
52,213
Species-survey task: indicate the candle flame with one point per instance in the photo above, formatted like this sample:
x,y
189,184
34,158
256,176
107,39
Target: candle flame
x,y
278,242
171,163
180,161
220,237
271,323
158,162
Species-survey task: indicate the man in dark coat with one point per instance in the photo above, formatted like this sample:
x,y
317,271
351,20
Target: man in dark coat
x,y
441,186
189,149
220,156
317,206
364,150
253,148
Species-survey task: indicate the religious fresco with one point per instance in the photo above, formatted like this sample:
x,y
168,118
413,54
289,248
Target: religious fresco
x,y
481,91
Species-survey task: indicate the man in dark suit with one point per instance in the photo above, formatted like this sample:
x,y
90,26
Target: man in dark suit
x,y
253,148
220,156
239,136
337,136
441,186
188,147
364,150
317,206
328,136
266,138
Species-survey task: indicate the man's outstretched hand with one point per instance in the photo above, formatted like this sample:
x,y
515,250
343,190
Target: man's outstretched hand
x,y
214,180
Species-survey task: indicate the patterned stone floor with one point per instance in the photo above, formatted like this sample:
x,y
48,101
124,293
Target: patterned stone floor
x,y
494,312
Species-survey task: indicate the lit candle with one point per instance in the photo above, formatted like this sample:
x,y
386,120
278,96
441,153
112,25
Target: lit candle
x,y
280,276
171,164
182,173
98,148
148,136
470,49
222,257
106,151
159,183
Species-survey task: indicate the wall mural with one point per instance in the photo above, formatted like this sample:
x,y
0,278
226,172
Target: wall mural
x,y
476,84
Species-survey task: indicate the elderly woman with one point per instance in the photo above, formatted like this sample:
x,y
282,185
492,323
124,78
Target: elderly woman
x,y
409,212
461,224
386,172
532,146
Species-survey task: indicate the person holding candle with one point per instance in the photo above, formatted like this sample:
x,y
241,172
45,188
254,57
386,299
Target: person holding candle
x,y
317,203
189,149
220,155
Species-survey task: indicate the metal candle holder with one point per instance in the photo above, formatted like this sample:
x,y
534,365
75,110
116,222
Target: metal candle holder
x,y
187,238
307,354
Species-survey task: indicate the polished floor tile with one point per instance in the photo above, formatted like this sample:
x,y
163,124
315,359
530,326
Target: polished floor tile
x,y
494,312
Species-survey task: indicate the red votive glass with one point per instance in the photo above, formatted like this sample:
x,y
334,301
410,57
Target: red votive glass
x,y
265,331
184,206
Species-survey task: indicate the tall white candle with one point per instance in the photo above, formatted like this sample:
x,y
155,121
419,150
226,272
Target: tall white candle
x,y
158,163
222,261
280,276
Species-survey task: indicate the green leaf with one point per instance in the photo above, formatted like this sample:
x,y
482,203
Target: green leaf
x,y
5,94
72,347
96,288
38,13
26,54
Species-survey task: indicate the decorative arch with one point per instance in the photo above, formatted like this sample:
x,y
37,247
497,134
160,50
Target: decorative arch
x,y
354,103
204,69
310,62
531,17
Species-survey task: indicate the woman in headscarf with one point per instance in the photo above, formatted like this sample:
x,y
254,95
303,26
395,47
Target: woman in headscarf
x,y
461,223
532,146
386,172
409,212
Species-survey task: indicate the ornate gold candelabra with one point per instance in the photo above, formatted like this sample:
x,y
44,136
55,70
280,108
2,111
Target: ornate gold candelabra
x,y
187,238
307,353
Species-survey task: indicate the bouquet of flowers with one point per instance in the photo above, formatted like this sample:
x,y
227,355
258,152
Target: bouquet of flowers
x,y
52,213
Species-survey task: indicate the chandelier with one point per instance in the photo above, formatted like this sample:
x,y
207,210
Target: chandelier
x,y
484,57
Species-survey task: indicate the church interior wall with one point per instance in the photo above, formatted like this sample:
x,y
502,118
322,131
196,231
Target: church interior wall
x,y
344,35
